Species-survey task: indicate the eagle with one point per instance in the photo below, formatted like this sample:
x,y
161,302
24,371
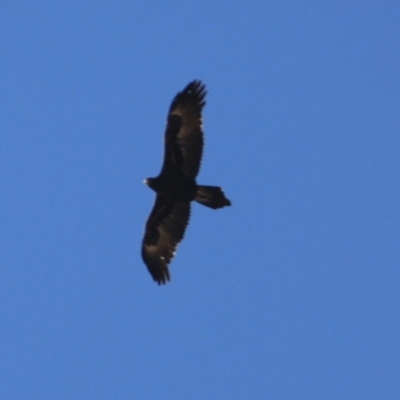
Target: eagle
x,y
176,185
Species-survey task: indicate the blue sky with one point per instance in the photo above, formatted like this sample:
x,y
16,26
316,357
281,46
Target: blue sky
x,y
291,293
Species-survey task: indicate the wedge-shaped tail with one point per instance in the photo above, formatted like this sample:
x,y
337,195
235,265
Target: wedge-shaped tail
x,y
211,196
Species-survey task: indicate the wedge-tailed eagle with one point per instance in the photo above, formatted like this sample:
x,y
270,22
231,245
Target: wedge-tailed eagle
x,y
176,185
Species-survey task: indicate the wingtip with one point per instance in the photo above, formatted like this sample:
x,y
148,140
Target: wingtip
x,y
197,87
162,278
156,266
160,275
192,95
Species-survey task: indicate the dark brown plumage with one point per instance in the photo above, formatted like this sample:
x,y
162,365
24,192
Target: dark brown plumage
x,y
176,184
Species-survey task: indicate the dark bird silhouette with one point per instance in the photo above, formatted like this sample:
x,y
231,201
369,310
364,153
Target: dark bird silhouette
x,y
176,185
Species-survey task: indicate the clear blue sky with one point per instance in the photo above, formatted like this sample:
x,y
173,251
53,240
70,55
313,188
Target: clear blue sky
x,y
291,293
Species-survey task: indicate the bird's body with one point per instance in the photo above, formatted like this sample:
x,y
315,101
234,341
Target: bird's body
x,y
176,185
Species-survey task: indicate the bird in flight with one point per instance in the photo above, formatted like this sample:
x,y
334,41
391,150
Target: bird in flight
x,y
176,185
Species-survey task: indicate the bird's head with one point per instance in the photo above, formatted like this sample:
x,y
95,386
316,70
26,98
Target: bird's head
x,y
149,182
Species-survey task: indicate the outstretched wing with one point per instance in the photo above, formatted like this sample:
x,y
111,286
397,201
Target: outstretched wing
x,y
164,230
184,135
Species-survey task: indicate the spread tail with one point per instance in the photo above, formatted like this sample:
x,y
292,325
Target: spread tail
x,y
211,196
